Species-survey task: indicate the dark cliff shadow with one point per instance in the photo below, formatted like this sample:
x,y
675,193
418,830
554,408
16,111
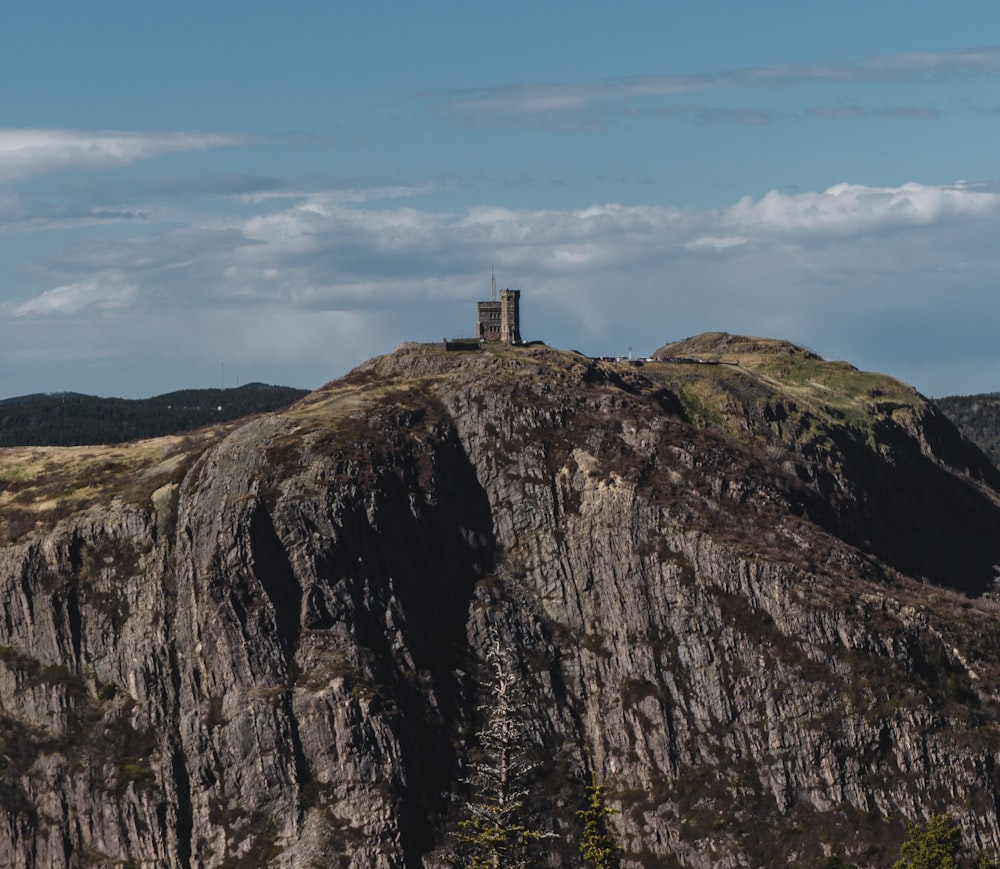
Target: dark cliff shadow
x,y
412,543
917,515
277,578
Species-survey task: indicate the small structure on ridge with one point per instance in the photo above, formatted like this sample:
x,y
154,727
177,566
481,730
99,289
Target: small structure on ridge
x,y
500,320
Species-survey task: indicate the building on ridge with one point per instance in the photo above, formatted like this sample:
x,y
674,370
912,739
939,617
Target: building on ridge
x,y
500,320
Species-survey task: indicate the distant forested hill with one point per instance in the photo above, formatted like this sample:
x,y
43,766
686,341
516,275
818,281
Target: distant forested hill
x,y
71,419
978,418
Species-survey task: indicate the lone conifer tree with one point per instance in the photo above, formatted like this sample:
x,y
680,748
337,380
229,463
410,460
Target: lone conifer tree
x,y
498,831
597,847
936,845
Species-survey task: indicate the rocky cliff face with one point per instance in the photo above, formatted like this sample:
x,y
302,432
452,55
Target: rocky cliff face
x,y
754,593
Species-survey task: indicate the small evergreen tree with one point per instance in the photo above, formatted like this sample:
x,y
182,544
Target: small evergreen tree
x,y
499,829
597,846
934,845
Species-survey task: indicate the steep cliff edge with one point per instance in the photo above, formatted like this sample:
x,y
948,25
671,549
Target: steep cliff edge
x,y
752,590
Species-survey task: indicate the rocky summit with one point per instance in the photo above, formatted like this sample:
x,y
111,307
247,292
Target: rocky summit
x,y
751,591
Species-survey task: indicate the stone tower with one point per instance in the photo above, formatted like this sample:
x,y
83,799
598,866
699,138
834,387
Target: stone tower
x,y
510,316
500,321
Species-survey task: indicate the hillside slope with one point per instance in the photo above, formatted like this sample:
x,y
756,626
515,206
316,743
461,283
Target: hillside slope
x,y
754,593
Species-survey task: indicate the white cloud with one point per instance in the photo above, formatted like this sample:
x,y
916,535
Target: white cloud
x,y
321,251
716,242
29,151
314,223
855,207
105,294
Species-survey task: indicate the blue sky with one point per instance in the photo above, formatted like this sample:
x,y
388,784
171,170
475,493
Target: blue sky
x,y
195,194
